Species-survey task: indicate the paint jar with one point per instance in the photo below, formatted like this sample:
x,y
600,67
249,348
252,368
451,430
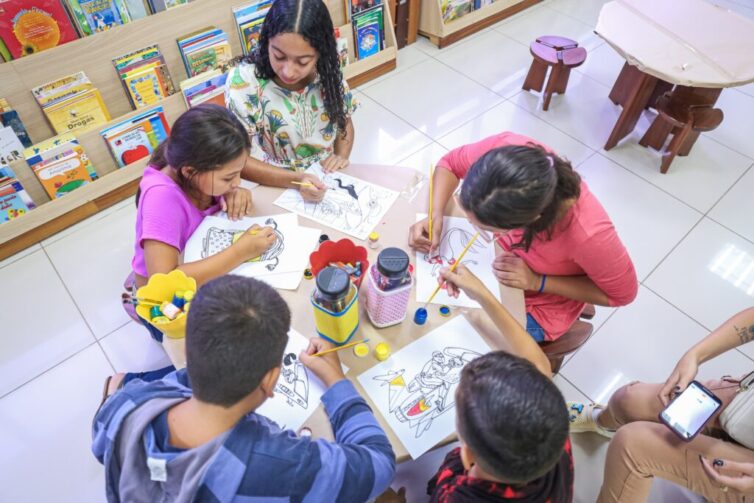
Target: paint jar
x,y
336,306
389,288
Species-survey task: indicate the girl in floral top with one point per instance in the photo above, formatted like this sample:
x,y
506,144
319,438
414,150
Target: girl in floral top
x,y
291,96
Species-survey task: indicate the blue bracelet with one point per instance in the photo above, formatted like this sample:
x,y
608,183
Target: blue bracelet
x,y
542,285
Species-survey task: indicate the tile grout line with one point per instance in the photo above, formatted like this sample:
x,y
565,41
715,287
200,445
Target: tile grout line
x,y
746,171
78,308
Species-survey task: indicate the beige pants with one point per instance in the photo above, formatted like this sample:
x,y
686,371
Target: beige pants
x,y
644,448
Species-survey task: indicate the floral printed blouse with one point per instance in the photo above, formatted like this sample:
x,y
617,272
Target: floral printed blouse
x,y
291,128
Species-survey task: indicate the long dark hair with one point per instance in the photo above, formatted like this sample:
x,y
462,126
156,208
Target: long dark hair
x,y
509,187
204,137
311,20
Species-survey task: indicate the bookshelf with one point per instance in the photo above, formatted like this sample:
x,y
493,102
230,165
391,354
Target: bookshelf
x,y
94,55
442,35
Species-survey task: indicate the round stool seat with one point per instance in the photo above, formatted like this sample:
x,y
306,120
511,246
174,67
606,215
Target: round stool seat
x,y
569,55
556,55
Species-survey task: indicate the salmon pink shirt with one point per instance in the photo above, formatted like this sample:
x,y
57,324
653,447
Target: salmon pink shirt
x,y
584,242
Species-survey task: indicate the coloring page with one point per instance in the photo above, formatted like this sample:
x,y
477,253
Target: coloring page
x,y
350,205
456,234
414,389
289,253
298,391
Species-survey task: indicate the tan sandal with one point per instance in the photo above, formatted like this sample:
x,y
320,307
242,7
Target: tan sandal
x,y
581,418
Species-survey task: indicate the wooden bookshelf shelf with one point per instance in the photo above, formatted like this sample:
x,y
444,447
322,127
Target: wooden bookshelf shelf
x,y
94,55
442,35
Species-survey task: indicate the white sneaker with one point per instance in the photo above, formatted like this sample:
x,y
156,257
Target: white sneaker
x,y
581,417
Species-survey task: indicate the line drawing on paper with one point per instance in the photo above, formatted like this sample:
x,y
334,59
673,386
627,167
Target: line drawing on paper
x,y
294,382
217,239
421,399
451,246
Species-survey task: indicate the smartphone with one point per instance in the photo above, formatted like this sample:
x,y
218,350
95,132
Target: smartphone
x,y
690,411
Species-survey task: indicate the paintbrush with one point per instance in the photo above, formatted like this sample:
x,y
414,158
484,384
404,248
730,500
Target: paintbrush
x,y
349,345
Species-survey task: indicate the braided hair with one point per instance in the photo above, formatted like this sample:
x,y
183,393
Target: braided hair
x,y
311,20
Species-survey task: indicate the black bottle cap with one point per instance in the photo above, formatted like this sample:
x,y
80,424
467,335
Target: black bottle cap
x,y
333,282
392,262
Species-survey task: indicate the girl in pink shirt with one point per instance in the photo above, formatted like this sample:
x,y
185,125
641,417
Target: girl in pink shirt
x,y
187,179
560,246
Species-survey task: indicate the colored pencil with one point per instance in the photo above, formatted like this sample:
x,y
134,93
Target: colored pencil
x,y
349,345
452,268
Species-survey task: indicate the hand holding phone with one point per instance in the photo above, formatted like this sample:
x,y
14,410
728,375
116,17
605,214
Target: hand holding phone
x,y
690,411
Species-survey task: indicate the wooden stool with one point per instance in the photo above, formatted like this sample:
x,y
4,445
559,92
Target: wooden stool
x,y
684,119
567,343
561,54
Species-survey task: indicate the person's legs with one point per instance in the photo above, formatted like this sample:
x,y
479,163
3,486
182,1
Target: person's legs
x,y
534,329
642,450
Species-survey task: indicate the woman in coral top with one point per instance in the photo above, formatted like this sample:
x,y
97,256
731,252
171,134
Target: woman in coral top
x,y
559,244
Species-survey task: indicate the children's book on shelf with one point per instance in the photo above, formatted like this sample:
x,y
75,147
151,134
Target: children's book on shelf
x,y
368,30
72,103
31,26
144,75
9,117
341,44
355,6
207,87
137,9
204,50
11,148
137,137
161,5
14,200
455,9
60,164
95,16
249,19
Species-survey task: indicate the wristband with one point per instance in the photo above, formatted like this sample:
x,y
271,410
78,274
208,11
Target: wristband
x,y
542,285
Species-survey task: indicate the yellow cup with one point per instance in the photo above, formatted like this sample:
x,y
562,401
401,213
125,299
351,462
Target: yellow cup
x,y
337,327
161,287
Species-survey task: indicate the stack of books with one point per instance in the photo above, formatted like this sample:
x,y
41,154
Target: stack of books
x,y
9,118
95,16
60,164
14,200
208,87
204,50
136,138
368,27
31,26
71,103
249,19
144,75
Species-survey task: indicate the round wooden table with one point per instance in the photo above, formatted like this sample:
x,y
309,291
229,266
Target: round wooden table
x,y
393,231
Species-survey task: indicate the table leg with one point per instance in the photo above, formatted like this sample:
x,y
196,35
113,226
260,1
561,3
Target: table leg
x,y
635,102
622,85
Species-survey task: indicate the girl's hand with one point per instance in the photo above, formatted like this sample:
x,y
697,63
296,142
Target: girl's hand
x,y
463,279
419,239
743,483
512,271
255,241
237,203
684,372
326,367
313,194
334,163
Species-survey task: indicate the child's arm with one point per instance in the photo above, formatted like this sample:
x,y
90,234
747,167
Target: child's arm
x,y
341,150
161,257
520,342
444,183
360,464
272,176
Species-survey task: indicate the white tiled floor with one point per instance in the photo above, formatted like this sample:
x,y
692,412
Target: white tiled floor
x,y
690,233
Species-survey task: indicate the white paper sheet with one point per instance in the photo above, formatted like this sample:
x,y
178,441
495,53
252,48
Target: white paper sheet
x,y
298,391
456,233
414,389
289,254
350,205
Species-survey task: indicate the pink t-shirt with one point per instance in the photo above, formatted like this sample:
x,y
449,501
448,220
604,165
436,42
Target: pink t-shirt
x,y
165,214
584,242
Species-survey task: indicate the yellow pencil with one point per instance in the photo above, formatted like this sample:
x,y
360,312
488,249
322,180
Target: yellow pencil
x,y
349,345
431,176
452,268
303,184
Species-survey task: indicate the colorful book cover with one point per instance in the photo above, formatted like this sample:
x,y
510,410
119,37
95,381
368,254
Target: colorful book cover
x,y
356,6
455,9
30,26
14,201
208,57
61,173
10,118
137,137
368,32
206,87
249,19
80,113
11,148
250,33
94,16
